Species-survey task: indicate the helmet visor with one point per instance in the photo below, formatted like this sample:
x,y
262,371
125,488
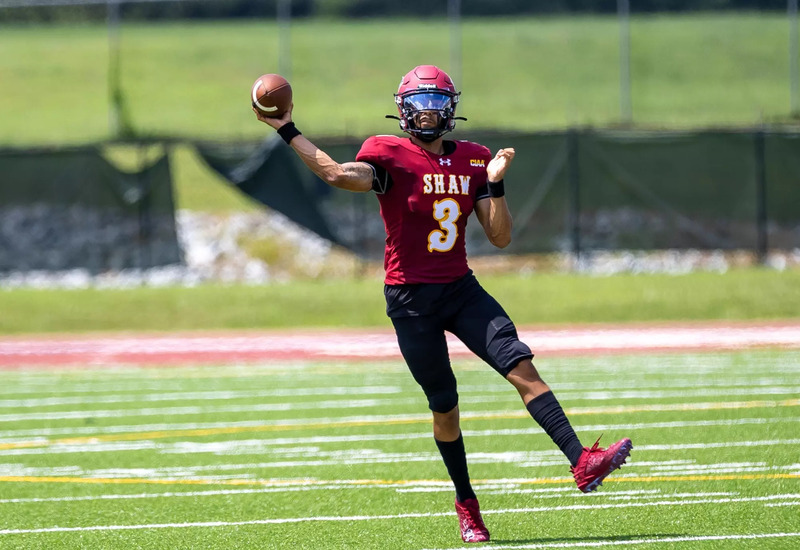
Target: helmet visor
x,y
428,101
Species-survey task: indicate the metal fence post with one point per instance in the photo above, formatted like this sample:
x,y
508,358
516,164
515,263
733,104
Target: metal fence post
x,y
762,242
624,17
284,17
145,208
574,179
793,69
114,86
454,15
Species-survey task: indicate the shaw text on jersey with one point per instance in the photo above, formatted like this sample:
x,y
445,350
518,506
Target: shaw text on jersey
x,y
456,185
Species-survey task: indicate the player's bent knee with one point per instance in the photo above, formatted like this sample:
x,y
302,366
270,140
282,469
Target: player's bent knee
x,y
443,401
505,347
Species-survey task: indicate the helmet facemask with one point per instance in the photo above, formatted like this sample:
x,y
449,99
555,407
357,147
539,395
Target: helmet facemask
x,y
413,103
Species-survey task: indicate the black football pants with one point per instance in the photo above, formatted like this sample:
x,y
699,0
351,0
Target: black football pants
x,y
421,315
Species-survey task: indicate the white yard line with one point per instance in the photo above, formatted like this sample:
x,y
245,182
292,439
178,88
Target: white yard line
x,y
596,394
486,513
239,394
205,409
640,541
189,476
8,436
37,382
485,487
368,403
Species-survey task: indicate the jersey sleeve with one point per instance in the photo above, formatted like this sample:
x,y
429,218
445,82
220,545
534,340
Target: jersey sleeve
x,y
483,153
373,152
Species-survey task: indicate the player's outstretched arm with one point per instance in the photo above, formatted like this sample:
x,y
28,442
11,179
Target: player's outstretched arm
x,y
493,213
352,176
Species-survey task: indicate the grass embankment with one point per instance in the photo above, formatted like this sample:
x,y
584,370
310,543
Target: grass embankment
x,y
192,79
745,294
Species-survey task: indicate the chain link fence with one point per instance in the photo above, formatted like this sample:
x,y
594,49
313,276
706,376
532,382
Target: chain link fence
x,y
575,189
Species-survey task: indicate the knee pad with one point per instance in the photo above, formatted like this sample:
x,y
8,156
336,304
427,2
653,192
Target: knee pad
x,y
442,401
504,346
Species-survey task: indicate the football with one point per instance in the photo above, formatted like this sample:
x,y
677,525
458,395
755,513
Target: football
x,y
271,95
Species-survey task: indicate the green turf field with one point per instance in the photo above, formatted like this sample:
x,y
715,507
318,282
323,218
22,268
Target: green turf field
x,y
193,79
339,455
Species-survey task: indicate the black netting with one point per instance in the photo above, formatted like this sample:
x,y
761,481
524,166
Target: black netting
x,y
272,174
667,191
72,209
576,190
782,175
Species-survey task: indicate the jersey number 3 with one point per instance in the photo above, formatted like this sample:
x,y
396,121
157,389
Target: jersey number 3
x,y
446,212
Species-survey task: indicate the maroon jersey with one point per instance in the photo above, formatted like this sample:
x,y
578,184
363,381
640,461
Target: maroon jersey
x,y
425,209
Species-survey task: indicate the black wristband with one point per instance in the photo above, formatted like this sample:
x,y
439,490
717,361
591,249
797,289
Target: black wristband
x,y
288,132
496,189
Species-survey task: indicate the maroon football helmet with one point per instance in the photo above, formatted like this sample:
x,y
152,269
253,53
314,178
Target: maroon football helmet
x,y
427,88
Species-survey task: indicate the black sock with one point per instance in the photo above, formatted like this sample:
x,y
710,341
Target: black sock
x,y
455,460
546,410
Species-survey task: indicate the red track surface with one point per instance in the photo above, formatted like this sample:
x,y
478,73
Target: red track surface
x,y
240,347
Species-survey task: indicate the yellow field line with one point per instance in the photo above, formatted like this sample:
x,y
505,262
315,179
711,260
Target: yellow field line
x,y
373,482
694,477
137,436
267,482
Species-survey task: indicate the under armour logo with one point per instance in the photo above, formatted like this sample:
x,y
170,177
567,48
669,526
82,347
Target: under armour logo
x,y
444,162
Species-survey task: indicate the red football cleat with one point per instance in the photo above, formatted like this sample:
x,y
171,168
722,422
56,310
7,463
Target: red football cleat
x,y
471,522
596,463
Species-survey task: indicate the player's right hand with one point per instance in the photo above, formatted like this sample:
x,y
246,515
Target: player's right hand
x,y
275,122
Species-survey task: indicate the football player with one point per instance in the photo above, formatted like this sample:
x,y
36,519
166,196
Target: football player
x,y
427,187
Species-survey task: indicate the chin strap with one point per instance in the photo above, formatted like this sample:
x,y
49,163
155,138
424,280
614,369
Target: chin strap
x,y
416,133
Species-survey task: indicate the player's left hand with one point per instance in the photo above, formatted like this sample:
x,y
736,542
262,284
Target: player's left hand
x,y
496,168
